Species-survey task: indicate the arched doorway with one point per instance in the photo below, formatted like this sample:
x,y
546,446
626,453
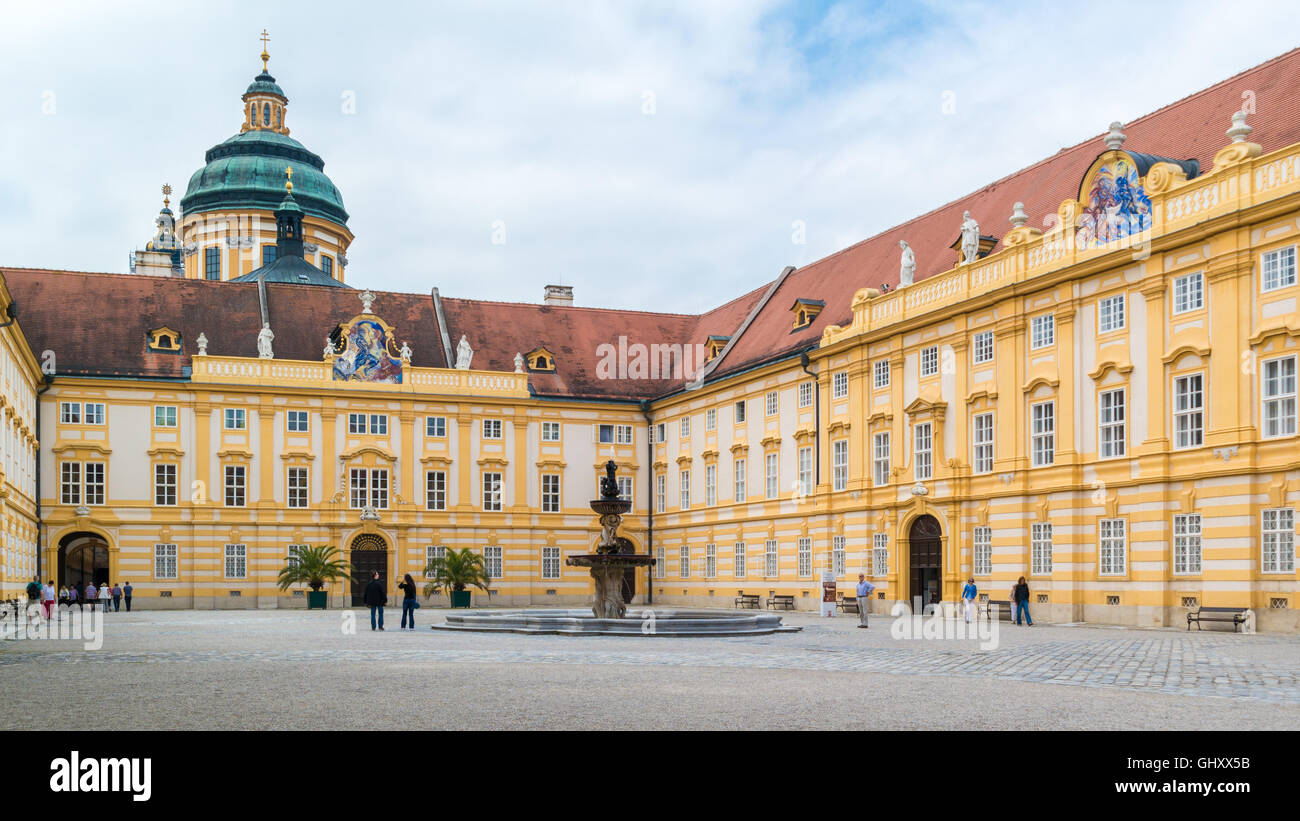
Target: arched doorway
x,y
369,556
925,553
83,558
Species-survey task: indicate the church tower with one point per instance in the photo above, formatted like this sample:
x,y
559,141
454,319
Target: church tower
x,y
161,256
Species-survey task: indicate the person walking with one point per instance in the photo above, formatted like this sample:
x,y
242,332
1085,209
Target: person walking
x,y
72,595
375,599
1020,594
409,601
126,594
47,597
34,590
117,598
91,593
104,595
63,595
968,594
864,599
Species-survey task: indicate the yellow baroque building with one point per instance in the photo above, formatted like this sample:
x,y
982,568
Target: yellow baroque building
x,y
1099,394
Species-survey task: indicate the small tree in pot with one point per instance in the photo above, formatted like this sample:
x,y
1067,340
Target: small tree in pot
x,y
314,567
454,572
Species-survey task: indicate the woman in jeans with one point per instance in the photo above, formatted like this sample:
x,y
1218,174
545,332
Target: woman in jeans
x,y
408,601
1021,596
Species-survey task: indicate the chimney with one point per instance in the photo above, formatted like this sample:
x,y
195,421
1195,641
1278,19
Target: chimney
x,y
558,295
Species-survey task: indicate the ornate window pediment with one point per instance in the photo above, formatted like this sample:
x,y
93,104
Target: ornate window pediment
x,y
164,340
540,360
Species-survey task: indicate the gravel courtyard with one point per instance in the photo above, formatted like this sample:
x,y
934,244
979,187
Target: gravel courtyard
x,y
298,669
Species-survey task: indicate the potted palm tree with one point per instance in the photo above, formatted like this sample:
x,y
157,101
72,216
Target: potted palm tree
x,y
314,567
454,572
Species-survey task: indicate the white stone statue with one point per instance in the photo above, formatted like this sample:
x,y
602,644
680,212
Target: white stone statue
x,y
970,238
519,363
464,353
329,348
405,353
264,338
906,265
203,344
366,299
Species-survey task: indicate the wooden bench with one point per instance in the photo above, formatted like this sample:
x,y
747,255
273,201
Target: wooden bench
x,y
847,604
1236,615
782,602
1005,611
746,600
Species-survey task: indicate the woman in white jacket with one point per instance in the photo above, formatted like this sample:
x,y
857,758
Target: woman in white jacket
x,y
104,596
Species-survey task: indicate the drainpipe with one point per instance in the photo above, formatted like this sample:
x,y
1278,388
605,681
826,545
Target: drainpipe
x,y
817,421
40,525
650,502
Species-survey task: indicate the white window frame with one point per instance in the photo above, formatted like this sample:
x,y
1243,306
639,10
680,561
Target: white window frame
x,y
840,385
1277,269
684,427
1040,542
982,349
684,561
69,413
235,419
297,421
923,451
710,485
1111,315
684,489
771,559
710,561
435,490
771,403
1277,542
493,429
550,562
738,410
880,373
982,433
297,493
982,550
661,562
805,463
738,563
166,561
1187,544
1188,293
805,557
738,481
378,424
1189,410
358,424
93,413
880,554
711,419
550,431
1042,433
1042,331
432,553
550,490
435,427
840,464
494,561
1112,423
493,493
235,485
165,484
880,458
772,475
661,493
1112,547
838,557
235,565
1278,394
930,361
805,394
165,416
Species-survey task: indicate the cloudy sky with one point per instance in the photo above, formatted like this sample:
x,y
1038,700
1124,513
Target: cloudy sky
x,y
656,155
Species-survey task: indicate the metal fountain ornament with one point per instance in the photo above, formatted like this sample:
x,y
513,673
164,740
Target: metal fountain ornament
x,y
614,554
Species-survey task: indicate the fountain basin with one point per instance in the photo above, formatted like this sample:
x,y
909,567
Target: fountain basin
x,y
644,622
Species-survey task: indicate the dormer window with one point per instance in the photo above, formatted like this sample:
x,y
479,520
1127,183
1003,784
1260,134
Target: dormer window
x,y
540,359
164,340
805,311
714,346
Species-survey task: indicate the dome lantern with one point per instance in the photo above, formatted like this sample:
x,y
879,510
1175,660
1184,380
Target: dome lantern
x,y
264,100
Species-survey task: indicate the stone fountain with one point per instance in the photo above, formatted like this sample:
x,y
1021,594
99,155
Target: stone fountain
x,y
609,615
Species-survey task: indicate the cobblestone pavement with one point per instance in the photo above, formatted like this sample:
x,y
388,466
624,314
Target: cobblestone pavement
x,y
187,668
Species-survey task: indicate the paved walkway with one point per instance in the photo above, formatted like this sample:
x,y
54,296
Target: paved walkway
x,y
280,668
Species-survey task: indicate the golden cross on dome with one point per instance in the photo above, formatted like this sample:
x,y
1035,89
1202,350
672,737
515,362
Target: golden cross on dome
x,y
288,174
167,192
265,56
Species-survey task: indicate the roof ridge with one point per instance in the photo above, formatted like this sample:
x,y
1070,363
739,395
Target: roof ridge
x,y
446,299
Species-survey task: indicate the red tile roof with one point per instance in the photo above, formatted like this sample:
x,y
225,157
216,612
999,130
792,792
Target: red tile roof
x,y
96,323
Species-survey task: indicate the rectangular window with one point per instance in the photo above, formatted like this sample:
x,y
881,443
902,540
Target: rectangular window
x,y
435,489
1189,410
297,483
378,424
711,419
550,563
94,494
840,464
1111,425
625,489
982,349
770,563
296,421
357,423
880,373
1279,269
840,385
684,488
358,487
661,432
661,562
268,254
1187,543
291,560
1112,547
164,416
1040,543
550,431
772,474
1043,433
164,561
1042,331
1110,313
94,413
661,493
930,360
435,427
70,413
805,394
164,484
550,493
805,557
491,491
327,265
1189,293
433,553
837,555
710,485
212,263
923,467
1280,397
982,442
880,554
982,539
740,412
880,459
379,488
1278,543
236,561
738,560
684,427
491,428
738,476
710,561
771,403
805,471
494,561
70,483
236,419
684,562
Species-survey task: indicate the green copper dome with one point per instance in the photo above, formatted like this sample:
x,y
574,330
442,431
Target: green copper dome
x,y
247,171
264,84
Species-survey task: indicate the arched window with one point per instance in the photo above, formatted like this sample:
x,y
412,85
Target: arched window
x,y
266,113
277,116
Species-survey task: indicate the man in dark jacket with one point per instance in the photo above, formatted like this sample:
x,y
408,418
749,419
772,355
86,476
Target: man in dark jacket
x,y
375,599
